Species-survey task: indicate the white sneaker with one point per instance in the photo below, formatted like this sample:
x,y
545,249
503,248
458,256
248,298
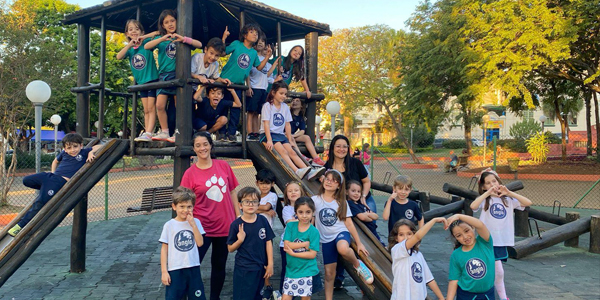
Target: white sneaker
x,y
144,137
171,139
364,272
315,173
161,136
302,172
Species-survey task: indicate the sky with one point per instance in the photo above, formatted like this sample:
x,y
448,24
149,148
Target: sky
x,y
337,13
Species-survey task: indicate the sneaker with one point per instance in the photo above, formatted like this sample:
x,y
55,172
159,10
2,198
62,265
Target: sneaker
x,y
14,230
171,139
302,172
315,173
276,295
252,136
232,138
222,137
318,162
364,272
144,137
266,292
338,284
161,136
305,158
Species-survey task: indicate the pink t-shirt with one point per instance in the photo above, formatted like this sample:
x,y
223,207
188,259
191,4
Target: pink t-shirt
x,y
212,187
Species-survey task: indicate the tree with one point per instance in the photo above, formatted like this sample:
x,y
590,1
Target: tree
x,y
358,68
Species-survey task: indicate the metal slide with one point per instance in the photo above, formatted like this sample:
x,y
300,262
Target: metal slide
x,y
15,251
379,260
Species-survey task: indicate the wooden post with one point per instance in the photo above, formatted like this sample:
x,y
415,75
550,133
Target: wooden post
x,y
79,228
522,222
467,207
312,53
425,203
574,242
595,234
102,92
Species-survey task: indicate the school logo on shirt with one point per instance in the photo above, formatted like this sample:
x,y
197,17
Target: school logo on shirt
x,y
409,214
78,157
285,74
171,50
138,62
262,233
417,272
265,70
498,211
476,268
216,189
327,216
50,192
243,61
299,250
184,241
198,293
278,119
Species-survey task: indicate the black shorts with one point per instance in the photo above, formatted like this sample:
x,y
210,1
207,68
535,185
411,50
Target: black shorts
x,y
255,103
166,77
148,93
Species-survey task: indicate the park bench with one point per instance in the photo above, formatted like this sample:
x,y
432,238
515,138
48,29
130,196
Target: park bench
x,y
463,162
154,198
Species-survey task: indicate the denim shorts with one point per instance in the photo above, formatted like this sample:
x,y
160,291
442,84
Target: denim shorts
x,y
277,138
330,252
501,253
149,93
166,77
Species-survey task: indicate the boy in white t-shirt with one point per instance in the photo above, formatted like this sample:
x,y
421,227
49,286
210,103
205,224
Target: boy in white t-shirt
x,y
179,259
205,65
265,180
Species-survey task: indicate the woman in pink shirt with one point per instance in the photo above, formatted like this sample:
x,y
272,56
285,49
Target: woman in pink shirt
x,y
213,182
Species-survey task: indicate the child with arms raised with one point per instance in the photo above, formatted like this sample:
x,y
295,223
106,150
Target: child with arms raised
x,y
143,68
498,205
301,240
472,268
292,66
411,272
398,206
251,235
210,113
179,260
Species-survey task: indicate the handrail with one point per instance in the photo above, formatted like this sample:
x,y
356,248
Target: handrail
x,y
155,85
313,97
86,88
218,84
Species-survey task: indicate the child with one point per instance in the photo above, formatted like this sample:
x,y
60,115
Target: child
x,y
252,237
411,273
291,193
332,218
179,259
257,82
65,165
243,58
292,65
265,180
167,26
359,210
398,206
365,158
472,268
276,118
210,113
205,65
498,205
143,68
301,240
298,127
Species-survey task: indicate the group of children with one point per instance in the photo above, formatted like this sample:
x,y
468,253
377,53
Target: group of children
x,y
215,110
323,223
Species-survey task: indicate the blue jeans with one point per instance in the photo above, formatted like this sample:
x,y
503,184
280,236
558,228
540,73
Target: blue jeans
x,y
49,184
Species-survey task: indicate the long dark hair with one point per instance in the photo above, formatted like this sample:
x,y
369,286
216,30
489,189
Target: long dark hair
x,y
331,155
451,229
489,198
274,88
393,237
137,23
206,135
161,18
340,193
298,71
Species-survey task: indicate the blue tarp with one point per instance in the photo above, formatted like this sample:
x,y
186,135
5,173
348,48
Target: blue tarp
x,y
48,135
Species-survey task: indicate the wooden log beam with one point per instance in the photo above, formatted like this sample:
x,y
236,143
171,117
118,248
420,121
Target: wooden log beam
x,y
574,242
595,234
472,195
156,85
549,238
451,208
522,222
547,217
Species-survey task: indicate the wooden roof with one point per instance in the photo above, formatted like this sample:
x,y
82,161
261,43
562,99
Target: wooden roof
x,y
210,18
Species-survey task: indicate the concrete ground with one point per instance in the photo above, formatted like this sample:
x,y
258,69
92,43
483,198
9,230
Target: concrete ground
x,y
123,262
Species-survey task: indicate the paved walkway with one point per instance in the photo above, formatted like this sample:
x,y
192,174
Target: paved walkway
x,y
123,262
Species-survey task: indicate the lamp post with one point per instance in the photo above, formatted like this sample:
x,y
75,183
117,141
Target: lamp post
x,y
38,92
543,120
318,121
120,134
55,119
412,126
333,108
485,119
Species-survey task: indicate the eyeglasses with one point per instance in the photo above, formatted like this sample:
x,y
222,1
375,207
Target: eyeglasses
x,y
342,146
331,180
249,203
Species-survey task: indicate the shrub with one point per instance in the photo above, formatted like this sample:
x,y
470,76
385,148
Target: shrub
x,y
552,138
537,146
27,160
514,145
454,144
525,129
387,149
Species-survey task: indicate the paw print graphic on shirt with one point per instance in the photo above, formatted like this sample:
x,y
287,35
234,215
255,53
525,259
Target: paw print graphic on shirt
x,y
216,188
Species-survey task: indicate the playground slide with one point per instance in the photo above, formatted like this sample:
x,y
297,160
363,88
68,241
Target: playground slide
x,y
14,251
379,260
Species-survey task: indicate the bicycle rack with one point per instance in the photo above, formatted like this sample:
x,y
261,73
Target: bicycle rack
x,y
537,227
473,183
387,177
554,205
420,205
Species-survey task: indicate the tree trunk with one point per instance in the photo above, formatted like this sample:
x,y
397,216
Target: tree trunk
x,y
468,125
348,125
398,127
561,121
588,120
597,126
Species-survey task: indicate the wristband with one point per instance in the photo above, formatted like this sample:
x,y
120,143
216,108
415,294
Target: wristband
x,y
187,40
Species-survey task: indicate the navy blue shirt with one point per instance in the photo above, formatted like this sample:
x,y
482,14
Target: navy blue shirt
x,y
252,253
409,211
69,165
209,114
298,123
356,171
359,208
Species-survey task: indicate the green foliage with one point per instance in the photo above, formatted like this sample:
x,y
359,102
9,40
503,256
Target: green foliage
x,y
26,160
525,129
390,149
515,145
537,146
422,138
454,144
552,138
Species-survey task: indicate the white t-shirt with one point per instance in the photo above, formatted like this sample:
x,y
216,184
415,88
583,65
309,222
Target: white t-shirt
x,y
183,251
411,274
277,117
198,68
259,79
326,218
499,220
287,213
269,198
